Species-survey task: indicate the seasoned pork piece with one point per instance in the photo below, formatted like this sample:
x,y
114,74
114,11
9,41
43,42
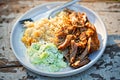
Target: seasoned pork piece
x,y
66,43
82,40
73,51
82,18
89,32
93,43
67,56
74,18
83,36
79,63
82,44
89,25
61,33
83,54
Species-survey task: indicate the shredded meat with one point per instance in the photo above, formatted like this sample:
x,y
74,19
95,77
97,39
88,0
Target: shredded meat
x,y
66,43
93,43
83,54
73,51
80,39
79,63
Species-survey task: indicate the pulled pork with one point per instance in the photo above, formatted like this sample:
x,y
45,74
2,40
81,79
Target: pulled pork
x,y
79,38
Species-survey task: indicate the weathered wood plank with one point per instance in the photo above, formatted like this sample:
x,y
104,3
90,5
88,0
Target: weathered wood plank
x,y
107,68
2,1
13,73
20,6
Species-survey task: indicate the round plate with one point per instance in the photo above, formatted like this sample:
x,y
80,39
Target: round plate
x,y
20,50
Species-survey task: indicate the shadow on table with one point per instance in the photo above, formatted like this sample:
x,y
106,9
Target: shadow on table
x,y
113,39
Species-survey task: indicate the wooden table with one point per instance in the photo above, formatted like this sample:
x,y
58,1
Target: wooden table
x,y
106,68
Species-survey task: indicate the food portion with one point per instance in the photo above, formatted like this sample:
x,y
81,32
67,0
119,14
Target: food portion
x,y
79,38
69,34
46,55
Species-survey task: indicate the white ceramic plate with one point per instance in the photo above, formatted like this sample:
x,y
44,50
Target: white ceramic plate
x,y
20,50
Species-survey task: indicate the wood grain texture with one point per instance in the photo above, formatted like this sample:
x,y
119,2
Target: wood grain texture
x,y
106,68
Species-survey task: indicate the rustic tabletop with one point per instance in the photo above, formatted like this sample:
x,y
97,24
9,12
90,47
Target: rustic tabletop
x,y
106,68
